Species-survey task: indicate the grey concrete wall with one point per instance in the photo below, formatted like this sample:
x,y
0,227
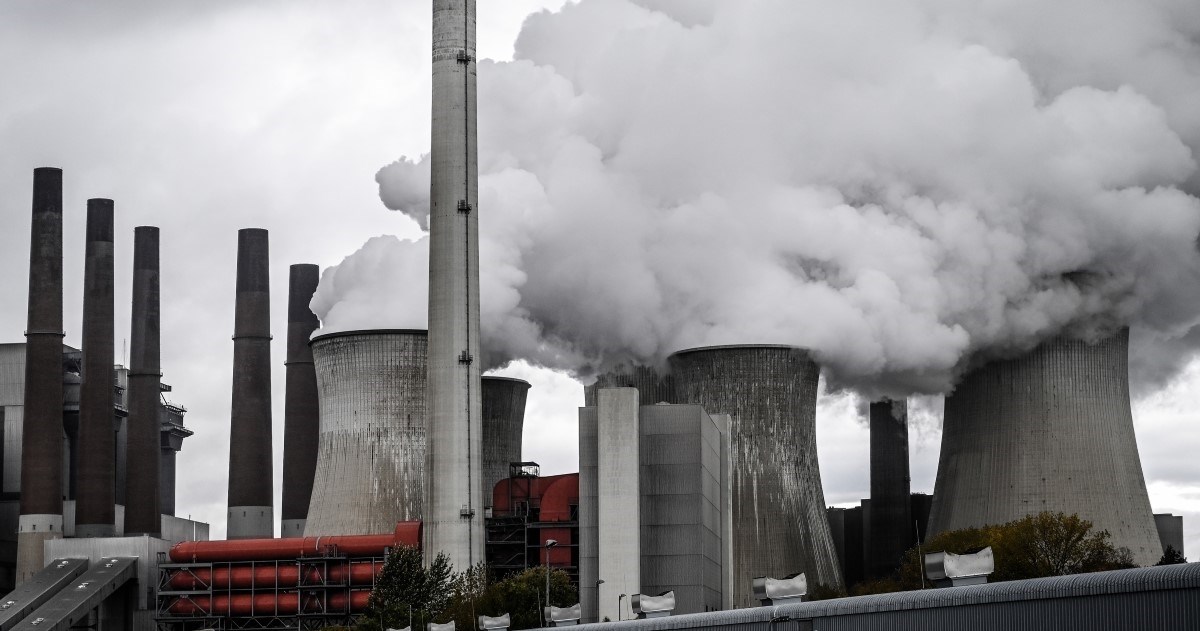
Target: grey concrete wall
x,y
889,527
681,499
589,533
455,356
371,456
770,393
652,386
1049,431
619,500
1170,531
503,421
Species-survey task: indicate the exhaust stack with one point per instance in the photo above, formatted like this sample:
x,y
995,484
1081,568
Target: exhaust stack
x,y
95,510
251,512
42,425
301,420
503,421
143,506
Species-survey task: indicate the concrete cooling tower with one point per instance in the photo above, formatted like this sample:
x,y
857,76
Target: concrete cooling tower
x,y
779,521
652,388
371,452
503,419
1049,431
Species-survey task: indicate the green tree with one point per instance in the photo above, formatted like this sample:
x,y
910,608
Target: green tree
x,y
523,595
1171,556
406,587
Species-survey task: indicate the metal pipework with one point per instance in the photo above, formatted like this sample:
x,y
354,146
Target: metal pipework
x,y
143,506
301,419
95,511
251,512
42,426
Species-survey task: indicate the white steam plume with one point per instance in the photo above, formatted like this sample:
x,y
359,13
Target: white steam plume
x,y
895,185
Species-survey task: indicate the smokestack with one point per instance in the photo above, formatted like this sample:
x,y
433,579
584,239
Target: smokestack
x,y
453,521
94,499
652,388
301,421
1049,431
251,513
503,419
779,522
42,426
371,461
890,531
143,510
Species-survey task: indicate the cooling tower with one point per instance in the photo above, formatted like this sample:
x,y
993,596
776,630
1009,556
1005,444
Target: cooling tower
x,y
454,498
251,512
890,528
95,502
652,388
42,426
770,392
1049,431
301,420
503,420
143,507
371,456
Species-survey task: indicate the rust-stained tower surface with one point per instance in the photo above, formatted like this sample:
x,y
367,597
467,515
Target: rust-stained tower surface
x,y
453,512
251,513
779,522
891,531
143,451
95,510
503,421
1049,431
301,421
42,426
652,387
370,470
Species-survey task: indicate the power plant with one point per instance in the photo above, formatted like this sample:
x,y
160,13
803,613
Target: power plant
x,y
698,488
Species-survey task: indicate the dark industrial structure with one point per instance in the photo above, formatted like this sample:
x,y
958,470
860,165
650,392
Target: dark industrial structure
x,y
301,420
251,513
889,518
143,506
652,386
528,509
503,421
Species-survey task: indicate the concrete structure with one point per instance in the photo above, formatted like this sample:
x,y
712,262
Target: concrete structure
x,y
676,534
371,458
97,459
251,512
172,432
846,525
652,387
1049,431
143,446
779,522
503,419
528,509
301,419
890,524
454,500
1170,531
42,427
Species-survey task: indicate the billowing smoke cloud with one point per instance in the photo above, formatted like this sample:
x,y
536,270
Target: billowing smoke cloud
x,y
898,186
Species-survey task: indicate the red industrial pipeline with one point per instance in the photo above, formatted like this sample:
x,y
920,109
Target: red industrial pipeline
x,y
269,576
408,533
268,604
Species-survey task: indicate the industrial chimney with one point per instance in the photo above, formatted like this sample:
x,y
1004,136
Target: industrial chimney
x,y
454,497
503,419
779,522
251,513
652,388
1049,431
301,421
143,506
890,528
42,425
95,511
370,470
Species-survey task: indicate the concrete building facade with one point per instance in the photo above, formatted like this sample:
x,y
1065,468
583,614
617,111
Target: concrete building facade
x,y
370,470
1051,430
652,386
618,500
889,520
779,522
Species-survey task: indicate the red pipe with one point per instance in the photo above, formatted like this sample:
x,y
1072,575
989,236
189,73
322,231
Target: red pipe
x,y
237,577
408,533
261,605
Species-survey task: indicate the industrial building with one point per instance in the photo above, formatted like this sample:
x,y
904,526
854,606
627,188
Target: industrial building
x,y
529,509
1051,430
503,410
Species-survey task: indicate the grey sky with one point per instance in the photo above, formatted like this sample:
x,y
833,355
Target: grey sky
x,y
206,117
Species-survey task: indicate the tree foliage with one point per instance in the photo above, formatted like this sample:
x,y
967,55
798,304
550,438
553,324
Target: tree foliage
x,y
1171,556
407,588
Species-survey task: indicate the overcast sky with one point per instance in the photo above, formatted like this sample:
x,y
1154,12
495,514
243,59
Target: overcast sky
x,y
203,118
